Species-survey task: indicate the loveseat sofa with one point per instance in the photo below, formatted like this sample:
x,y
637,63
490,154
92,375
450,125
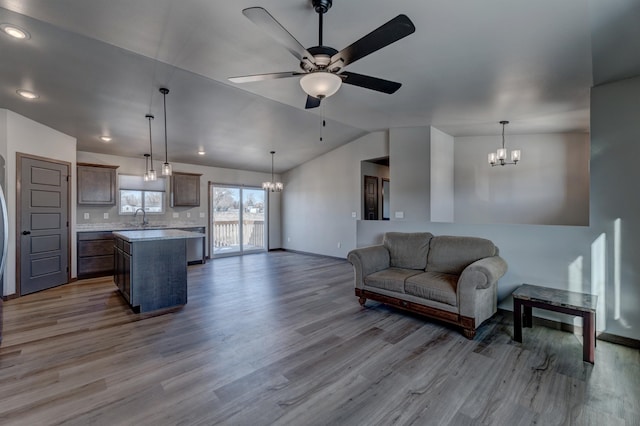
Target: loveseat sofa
x,y
453,279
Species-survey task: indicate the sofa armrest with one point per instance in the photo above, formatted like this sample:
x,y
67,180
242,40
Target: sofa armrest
x,y
368,260
481,274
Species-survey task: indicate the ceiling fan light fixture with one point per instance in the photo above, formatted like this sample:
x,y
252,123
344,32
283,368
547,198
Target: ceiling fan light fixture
x,y
320,84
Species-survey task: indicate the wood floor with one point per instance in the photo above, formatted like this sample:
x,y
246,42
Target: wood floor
x,y
279,338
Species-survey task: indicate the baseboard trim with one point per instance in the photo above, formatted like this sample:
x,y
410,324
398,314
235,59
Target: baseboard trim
x,y
306,253
576,329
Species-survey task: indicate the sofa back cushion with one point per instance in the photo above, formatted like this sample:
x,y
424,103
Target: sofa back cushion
x,y
450,255
407,250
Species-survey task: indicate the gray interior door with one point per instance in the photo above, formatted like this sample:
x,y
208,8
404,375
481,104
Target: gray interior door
x,y
44,220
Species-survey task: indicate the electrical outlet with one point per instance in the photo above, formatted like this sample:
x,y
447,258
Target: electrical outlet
x,y
288,239
353,215
399,215
176,215
105,216
188,214
86,216
339,244
202,215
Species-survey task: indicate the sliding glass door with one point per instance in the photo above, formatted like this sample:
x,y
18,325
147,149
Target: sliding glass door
x,y
237,220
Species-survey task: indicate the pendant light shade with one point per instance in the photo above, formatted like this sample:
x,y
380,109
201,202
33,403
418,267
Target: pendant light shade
x,y
146,168
272,186
166,167
151,174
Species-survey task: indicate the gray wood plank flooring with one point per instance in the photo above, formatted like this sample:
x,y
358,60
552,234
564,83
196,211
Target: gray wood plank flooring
x,y
279,338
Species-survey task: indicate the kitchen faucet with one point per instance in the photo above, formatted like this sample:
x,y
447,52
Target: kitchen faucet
x,y
144,216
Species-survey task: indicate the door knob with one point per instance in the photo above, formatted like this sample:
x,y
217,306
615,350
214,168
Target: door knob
x,y
26,232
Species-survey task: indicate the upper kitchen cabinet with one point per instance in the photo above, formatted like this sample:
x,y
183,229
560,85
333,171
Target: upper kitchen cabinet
x,y
185,189
96,184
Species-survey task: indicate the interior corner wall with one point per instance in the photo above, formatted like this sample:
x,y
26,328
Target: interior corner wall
x,y
615,204
410,173
320,196
549,186
29,137
442,176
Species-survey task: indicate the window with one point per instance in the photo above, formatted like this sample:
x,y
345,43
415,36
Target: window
x,y
136,194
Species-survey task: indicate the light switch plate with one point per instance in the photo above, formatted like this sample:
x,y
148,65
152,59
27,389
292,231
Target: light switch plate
x,y
202,214
399,215
106,215
86,216
188,214
176,215
353,215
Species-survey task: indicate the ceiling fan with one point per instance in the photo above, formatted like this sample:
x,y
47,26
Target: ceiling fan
x,y
322,67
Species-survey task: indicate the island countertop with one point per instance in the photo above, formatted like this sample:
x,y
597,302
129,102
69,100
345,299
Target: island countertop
x,y
156,234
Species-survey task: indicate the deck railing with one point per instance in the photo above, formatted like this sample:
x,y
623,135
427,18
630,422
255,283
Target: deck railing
x,y
227,233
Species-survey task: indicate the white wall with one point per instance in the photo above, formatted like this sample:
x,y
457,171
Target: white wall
x,y
615,202
549,186
28,137
134,166
442,176
320,196
410,173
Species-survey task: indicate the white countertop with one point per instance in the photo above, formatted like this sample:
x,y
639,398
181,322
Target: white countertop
x,y
119,226
156,234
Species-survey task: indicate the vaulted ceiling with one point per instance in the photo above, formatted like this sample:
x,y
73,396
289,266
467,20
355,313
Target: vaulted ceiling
x,y
98,65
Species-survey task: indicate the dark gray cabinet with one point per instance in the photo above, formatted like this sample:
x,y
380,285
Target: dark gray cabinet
x,y
151,274
96,184
95,254
185,189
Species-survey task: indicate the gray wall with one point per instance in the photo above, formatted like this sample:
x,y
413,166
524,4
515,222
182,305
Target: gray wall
x,y
549,186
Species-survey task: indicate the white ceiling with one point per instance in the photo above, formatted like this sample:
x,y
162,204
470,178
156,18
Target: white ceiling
x,y
98,65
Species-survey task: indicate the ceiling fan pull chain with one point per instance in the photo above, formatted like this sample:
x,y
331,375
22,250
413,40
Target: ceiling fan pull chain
x,y
323,122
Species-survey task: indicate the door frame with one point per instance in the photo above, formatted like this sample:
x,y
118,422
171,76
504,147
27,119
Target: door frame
x,y
19,157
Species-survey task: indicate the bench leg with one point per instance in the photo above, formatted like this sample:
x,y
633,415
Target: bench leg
x,y
362,300
589,337
517,320
527,317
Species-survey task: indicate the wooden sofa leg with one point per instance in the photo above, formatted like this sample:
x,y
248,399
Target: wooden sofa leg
x,y
362,300
469,333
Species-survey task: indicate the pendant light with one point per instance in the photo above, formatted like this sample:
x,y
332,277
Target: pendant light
x,y
272,186
166,167
499,158
146,168
151,174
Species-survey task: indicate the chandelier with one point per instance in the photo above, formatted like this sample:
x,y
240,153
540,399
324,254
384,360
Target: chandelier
x,y
272,186
499,158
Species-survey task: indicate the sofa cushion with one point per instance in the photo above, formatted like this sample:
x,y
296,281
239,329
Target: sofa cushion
x,y
434,286
390,279
450,255
408,250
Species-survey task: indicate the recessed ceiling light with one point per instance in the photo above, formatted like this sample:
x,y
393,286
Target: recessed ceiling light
x,y
105,138
201,152
15,31
27,94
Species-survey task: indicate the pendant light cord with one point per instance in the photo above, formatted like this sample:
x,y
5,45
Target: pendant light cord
x,y
164,99
149,116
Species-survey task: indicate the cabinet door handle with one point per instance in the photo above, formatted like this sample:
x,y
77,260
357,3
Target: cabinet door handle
x,y
26,232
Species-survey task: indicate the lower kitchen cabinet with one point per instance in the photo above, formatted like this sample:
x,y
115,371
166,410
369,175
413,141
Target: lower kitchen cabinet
x,y
95,254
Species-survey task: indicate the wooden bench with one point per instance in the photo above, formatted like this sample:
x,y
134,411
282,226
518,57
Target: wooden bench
x,y
568,302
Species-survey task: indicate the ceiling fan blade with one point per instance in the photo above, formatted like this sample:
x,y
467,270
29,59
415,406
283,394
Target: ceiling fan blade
x,y
268,23
262,77
397,28
368,82
312,102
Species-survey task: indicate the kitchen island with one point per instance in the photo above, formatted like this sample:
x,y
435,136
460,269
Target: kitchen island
x,y
151,267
